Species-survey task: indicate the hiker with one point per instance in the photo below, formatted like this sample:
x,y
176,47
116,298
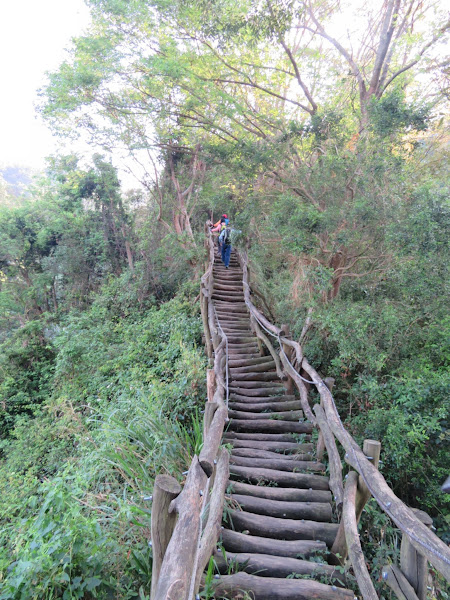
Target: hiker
x,y
225,243
218,227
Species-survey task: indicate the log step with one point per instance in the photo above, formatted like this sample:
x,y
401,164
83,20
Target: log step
x,y
261,400
290,415
275,588
283,529
265,437
265,406
233,541
266,565
279,464
281,478
260,360
281,447
268,375
282,494
316,511
256,368
269,426
255,453
257,391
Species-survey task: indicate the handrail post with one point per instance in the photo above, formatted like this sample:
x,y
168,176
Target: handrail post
x,y
289,383
210,384
371,449
413,564
320,448
165,490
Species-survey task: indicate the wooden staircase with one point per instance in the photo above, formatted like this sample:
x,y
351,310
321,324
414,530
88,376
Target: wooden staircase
x,y
279,513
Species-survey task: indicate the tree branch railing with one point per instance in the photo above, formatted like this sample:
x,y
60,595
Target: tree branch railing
x,y
420,543
186,521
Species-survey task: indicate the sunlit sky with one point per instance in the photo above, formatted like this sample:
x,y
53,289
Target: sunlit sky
x,y
33,38
33,35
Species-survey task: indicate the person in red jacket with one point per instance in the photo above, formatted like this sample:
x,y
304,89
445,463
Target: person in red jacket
x,y
218,226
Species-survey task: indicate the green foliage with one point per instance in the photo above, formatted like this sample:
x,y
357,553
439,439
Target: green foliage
x,y
391,114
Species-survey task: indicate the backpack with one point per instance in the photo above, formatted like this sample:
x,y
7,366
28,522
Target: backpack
x,y
227,236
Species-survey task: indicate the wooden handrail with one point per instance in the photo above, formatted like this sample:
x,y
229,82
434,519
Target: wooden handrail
x,y
329,422
183,557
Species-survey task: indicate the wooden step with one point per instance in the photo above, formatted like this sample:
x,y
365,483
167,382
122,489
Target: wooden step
x,y
266,565
258,376
280,464
244,398
269,426
282,447
259,391
257,453
233,541
259,360
275,588
258,407
216,296
283,529
289,415
314,511
282,494
263,437
258,475
253,368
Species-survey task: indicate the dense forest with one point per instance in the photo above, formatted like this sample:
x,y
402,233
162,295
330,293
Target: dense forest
x,y
322,130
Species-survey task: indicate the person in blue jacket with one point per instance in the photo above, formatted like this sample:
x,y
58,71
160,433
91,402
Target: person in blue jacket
x,y
225,244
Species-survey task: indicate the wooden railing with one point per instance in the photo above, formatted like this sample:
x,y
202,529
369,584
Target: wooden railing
x,y
419,543
186,522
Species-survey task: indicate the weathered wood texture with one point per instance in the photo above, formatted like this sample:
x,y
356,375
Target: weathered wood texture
x,y
334,460
413,564
273,588
398,583
352,538
165,490
212,529
212,441
177,570
283,529
280,493
425,542
240,542
267,565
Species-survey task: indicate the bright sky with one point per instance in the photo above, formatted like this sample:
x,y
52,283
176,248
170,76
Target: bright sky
x,y
33,35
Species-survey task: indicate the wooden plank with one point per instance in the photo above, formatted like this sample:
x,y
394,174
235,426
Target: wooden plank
x,y
316,511
279,464
165,489
269,426
240,542
255,453
398,583
352,538
179,561
274,588
425,542
280,493
212,441
212,529
283,529
281,478
267,565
